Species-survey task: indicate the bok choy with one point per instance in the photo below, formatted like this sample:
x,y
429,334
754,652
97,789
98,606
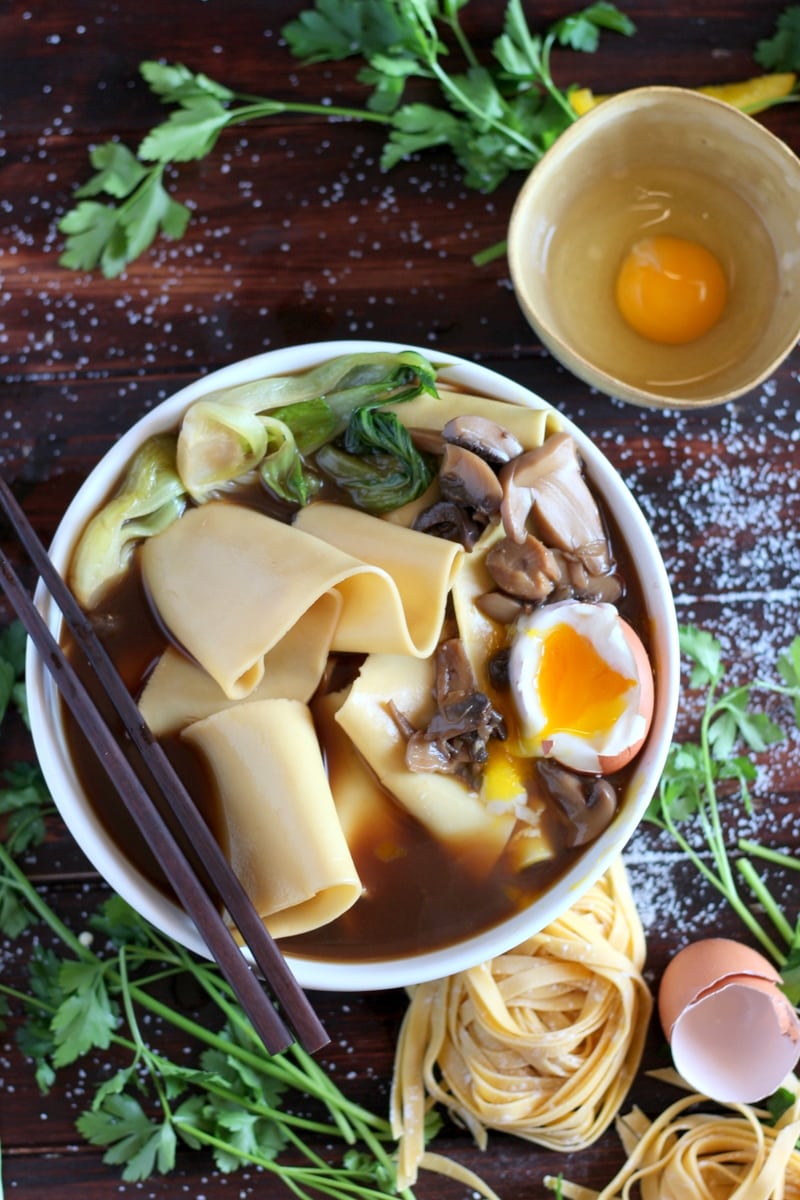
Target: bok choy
x,y
150,497
289,428
378,465
285,432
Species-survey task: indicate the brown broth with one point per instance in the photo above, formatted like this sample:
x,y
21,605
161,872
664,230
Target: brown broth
x,y
418,895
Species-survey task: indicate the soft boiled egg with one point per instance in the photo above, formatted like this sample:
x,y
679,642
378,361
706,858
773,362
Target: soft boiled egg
x,y
582,686
671,290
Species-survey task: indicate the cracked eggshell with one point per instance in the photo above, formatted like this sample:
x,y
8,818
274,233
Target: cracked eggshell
x,y
734,1035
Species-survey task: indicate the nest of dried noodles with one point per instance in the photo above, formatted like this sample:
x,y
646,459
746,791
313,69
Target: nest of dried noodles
x,y
542,1042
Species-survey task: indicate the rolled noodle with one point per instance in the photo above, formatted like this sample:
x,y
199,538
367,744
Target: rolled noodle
x,y
265,577
529,425
179,692
542,1042
689,1151
281,833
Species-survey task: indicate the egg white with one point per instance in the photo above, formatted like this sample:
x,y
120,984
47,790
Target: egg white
x,y
608,749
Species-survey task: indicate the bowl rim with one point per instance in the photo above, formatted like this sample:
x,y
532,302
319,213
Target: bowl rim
x,y
574,360
367,975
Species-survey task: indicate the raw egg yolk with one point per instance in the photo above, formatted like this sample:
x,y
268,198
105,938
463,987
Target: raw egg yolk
x,y
579,692
671,290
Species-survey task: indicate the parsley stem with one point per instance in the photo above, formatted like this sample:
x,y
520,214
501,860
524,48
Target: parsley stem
x,y
450,19
279,1066
732,896
22,884
490,253
780,857
324,1179
482,117
268,108
765,899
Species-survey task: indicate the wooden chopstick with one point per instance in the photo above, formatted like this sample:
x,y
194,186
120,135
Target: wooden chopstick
x,y
295,1007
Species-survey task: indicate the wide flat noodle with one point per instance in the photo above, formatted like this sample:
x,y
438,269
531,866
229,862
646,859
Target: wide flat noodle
x,y
542,1042
529,425
733,1154
480,636
422,568
266,575
280,829
366,812
179,692
442,803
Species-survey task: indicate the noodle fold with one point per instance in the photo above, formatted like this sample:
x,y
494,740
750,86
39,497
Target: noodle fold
x,y
179,691
268,574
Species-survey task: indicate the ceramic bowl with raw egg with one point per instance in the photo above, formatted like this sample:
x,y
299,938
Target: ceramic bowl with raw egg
x,y
655,249
557,713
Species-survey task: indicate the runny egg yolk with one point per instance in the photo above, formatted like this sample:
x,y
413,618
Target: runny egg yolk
x,y
671,290
503,781
581,685
580,692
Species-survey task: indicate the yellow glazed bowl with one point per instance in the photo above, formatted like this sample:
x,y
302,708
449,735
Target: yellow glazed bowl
x,y
661,161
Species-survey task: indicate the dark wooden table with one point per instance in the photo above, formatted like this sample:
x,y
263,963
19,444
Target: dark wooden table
x,y
297,236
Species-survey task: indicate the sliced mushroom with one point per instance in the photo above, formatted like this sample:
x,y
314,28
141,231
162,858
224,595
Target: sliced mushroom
x,y
565,512
527,570
516,505
497,606
450,521
586,804
577,582
468,480
455,739
484,437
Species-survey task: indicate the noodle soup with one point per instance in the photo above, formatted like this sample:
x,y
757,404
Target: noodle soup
x,y
345,681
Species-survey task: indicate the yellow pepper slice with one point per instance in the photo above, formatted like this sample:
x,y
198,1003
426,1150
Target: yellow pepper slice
x,y
750,95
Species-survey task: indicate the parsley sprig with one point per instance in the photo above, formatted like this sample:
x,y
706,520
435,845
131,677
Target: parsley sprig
x,y
105,985
700,776
495,117
781,52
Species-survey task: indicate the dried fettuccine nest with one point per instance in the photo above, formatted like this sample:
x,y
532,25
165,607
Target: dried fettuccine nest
x,y
694,1150
542,1042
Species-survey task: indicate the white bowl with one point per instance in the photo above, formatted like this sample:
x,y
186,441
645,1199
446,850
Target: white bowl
x,y
167,916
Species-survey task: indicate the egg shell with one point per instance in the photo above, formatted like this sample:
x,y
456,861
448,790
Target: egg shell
x,y
734,1035
615,762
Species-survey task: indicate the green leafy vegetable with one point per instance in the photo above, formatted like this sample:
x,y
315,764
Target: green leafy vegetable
x,y
281,426
699,775
495,117
781,52
150,497
378,465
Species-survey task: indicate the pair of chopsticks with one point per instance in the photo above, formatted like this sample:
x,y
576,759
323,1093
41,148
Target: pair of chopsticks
x,y
272,1016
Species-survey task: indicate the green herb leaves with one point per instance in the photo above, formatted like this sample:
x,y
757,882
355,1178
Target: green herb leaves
x,y
699,774
781,52
495,118
240,1104
110,236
